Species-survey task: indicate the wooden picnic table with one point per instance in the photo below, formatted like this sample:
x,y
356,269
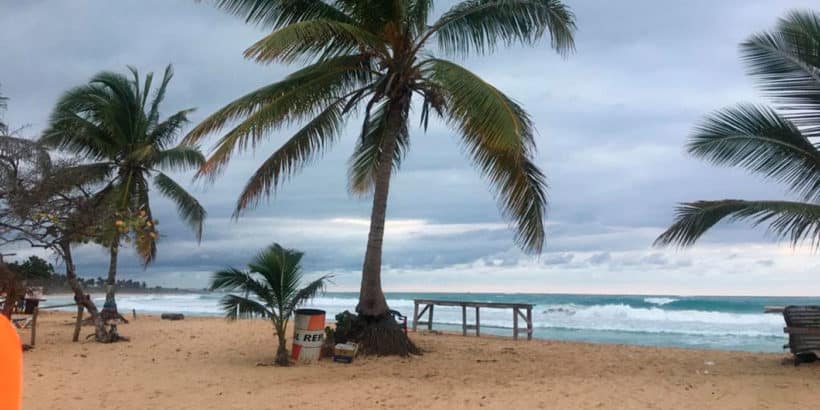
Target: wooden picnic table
x,y
431,303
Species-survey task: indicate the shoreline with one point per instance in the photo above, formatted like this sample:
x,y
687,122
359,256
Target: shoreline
x,y
204,362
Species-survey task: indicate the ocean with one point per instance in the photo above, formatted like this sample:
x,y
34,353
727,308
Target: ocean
x,y
703,322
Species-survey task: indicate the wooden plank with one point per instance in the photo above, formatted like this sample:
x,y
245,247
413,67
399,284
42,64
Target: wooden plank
x,y
34,326
415,316
529,324
463,320
473,304
78,325
802,330
773,309
477,322
430,318
515,323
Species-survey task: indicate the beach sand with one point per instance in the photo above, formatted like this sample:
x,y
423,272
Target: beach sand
x,y
208,363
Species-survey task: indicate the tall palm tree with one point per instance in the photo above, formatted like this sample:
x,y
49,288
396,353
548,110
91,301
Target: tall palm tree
x,y
376,57
114,122
781,143
4,129
272,289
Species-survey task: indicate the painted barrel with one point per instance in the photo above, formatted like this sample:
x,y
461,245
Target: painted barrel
x,y
308,334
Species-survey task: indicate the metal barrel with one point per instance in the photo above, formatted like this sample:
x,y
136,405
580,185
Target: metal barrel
x,y
308,334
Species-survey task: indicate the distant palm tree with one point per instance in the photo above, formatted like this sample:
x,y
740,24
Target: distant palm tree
x,y
374,57
4,128
272,289
781,142
114,122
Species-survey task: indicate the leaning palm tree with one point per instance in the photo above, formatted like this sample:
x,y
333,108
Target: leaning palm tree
x,y
781,143
114,122
376,57
272,289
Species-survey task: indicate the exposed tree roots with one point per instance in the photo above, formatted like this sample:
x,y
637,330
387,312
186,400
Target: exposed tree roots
x,y
382,336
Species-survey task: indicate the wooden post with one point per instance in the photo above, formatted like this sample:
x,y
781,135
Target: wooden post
x,y
34,326
79,324
515,323
430,318
134,314
415,316
529,323
463,320
477,323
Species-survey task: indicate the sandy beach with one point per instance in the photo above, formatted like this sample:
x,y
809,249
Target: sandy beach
x,y
209,363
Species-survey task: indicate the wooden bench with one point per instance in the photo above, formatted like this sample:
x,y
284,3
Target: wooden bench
x,y
517,308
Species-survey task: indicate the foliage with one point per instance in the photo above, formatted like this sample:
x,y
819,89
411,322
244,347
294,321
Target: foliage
x,y
33,268
114,123
781,143
271,289
368,56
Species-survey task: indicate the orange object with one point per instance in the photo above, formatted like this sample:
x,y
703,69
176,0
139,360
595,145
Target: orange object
x,y
11,367
308,334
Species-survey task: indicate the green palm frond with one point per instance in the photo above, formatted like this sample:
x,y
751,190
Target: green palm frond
x,y
237,307
786,62
762,141
498,136
306,144
301,95
307,40
189,209
280,13
179,158
480,25
159,96
364,163
165,133
798,222
307,293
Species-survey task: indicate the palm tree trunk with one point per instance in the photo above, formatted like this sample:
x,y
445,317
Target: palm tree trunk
x,y
282,356
111,281
100,332
371,297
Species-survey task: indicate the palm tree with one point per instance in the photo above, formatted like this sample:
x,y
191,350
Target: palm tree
x,y
375,57
114,122
272,289
781,143
4,129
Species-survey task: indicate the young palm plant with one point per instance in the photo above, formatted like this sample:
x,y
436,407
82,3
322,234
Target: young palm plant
x,y
377,58
780,142
114,123
272,289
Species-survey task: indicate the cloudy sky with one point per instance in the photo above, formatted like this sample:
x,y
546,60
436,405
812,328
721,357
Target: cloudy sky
x,y
612,120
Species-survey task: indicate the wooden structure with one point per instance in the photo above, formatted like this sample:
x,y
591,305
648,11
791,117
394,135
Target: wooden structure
x,y
803,328
517,308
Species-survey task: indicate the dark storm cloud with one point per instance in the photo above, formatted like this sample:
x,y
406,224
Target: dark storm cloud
x,y
612,120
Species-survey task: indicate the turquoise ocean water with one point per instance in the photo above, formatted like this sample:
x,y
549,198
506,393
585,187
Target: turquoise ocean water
x,y
710,322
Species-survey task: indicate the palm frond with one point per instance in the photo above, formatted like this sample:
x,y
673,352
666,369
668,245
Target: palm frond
x,y
480,25
364,163
189,209
306,293
301,95
280,13
795,221
498,136
307,40
179,158
236,307
159,96
308,143
166,132
762,141
786,62
280,268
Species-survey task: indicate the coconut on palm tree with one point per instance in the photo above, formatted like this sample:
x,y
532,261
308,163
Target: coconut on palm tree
x,y
271,288
114,123
781,142
378,58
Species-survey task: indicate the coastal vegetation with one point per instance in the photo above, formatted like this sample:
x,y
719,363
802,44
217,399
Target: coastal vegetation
x,y
270,288
113,123
780,142
373,60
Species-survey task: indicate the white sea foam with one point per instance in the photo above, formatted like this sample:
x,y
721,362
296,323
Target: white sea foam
x,y
660,301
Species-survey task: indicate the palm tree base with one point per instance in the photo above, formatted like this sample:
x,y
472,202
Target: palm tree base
x,y
382,336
